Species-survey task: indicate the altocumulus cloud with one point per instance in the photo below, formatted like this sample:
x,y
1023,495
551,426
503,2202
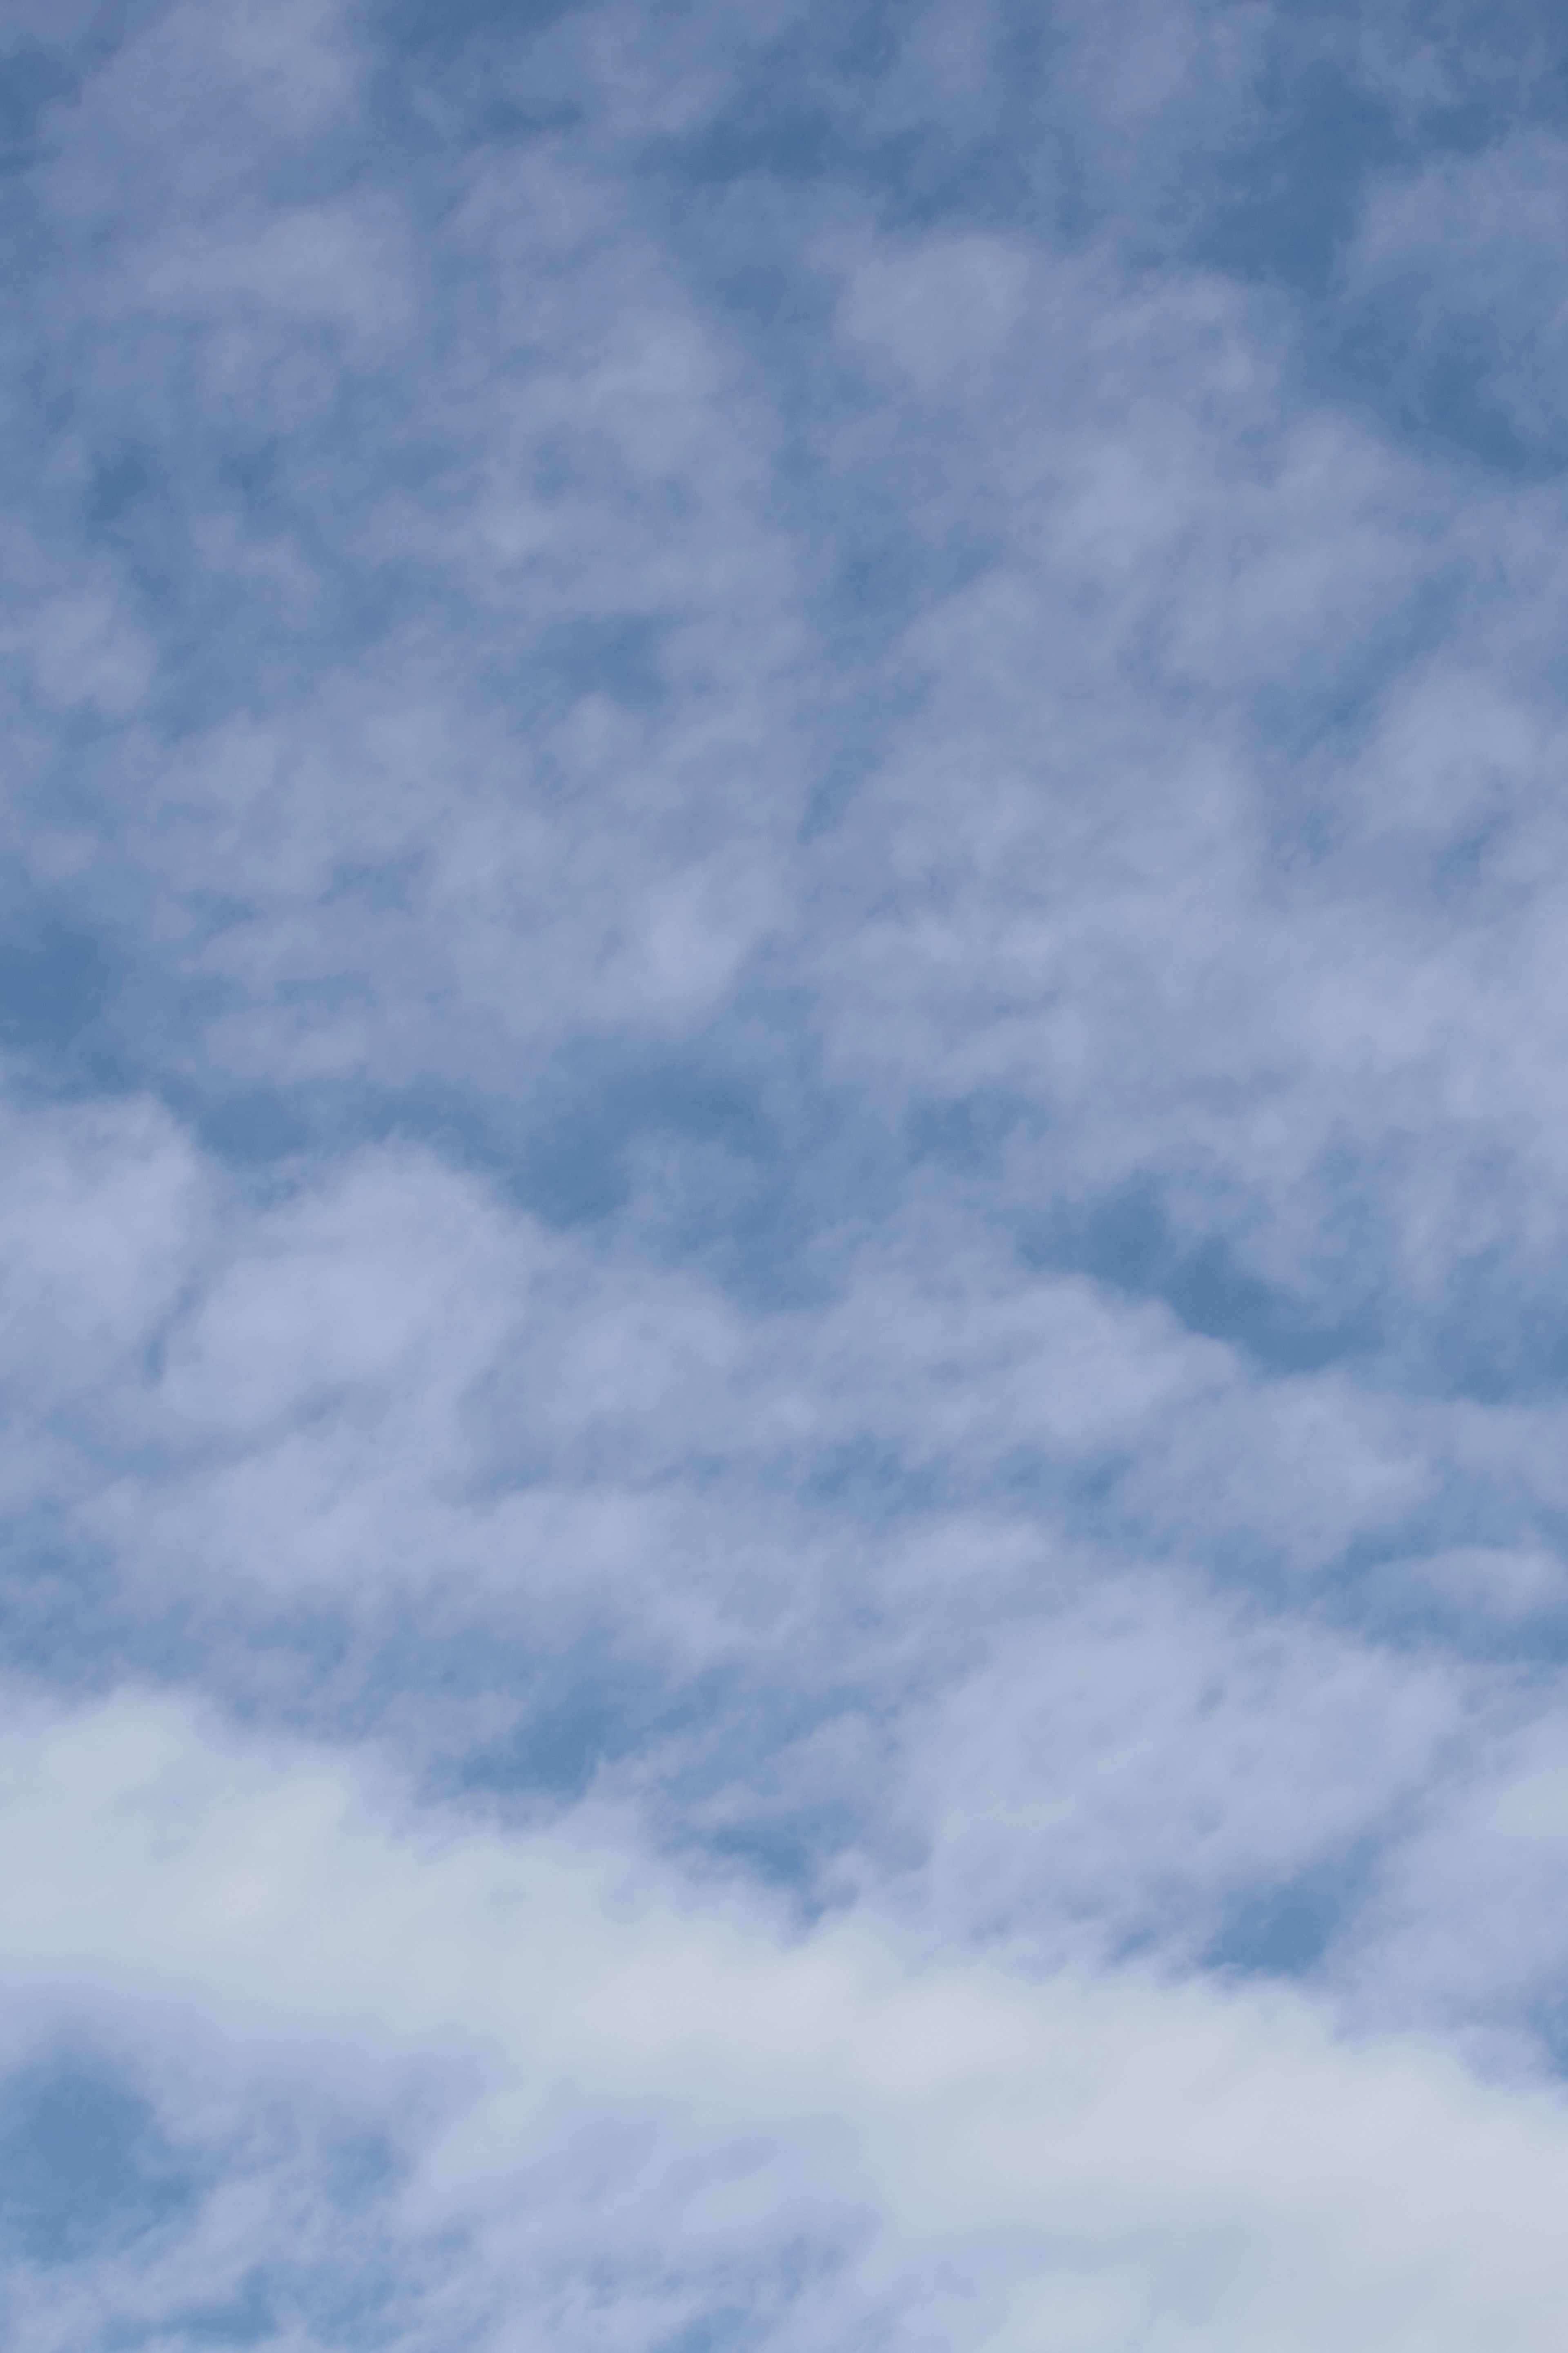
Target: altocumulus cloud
x,y
783,1182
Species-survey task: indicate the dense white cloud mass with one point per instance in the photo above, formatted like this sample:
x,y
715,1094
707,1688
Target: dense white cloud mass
x,y
783,1177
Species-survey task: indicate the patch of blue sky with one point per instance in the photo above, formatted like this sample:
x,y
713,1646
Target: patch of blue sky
x,y
84,2162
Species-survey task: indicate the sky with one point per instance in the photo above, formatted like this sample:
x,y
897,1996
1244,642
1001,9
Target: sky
x,y
783,1177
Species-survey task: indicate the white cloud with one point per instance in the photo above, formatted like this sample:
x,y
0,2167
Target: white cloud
x,y
558,2046
787,935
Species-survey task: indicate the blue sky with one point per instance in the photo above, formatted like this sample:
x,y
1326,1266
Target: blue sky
x,y
782,1000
